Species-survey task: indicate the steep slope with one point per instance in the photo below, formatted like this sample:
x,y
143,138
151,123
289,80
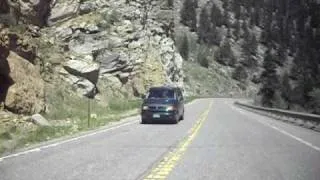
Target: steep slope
x,y
270,45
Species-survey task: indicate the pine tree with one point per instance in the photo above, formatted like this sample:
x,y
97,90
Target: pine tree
x,y
204,26
237,28
240,74
226,19
224,55
249,51
269,81
256,16
216,15
188,14
286,88
237,9
170,3
203,56
246,33
184,48
226,5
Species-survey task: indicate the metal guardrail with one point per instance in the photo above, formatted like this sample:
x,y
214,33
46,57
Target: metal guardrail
x,y
311,121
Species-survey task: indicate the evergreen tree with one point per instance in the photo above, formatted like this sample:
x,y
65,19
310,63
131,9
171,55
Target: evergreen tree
x,y
184,48
249,51
269,81
226,19
204,26
237,28
214,37
170,3
237,9
216,15
246,33
240,74
203,56
224,55
226,5
286,88
188,14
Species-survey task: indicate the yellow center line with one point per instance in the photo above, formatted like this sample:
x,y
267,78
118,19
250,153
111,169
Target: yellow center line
x,y
170,160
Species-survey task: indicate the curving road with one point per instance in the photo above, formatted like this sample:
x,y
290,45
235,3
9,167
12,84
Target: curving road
x,y
215,141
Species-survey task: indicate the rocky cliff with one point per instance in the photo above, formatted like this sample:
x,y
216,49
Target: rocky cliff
x,y
101,49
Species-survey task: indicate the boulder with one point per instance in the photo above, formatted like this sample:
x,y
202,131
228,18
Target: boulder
x,y
87,70
88,6
63,10
39,120
124,77
26,95
81,85
110,61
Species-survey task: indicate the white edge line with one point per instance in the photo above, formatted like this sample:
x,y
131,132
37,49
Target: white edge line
x,y
66,141
285,133
75,138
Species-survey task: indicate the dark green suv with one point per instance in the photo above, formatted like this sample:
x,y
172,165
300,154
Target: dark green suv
x,y
163,104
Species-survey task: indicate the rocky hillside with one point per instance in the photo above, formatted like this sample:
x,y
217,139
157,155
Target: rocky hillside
x,y
98,48
271,47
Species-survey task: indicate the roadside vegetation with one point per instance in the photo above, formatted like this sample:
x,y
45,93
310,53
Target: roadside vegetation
x,y
68,115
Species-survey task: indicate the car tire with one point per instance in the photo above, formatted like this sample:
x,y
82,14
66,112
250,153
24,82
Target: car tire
x,y
182,116
143,121
175,121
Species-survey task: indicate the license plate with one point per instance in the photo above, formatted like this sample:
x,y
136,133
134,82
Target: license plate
x,y
156,115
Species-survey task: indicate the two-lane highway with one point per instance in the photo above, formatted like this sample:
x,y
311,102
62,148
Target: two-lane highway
x,y
215,141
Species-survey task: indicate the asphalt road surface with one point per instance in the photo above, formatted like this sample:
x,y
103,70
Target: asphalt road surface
x,y
215,141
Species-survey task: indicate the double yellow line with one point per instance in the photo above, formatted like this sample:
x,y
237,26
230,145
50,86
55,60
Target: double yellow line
x,y
170,160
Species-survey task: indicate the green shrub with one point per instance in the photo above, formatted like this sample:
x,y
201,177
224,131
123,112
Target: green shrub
x,y
240,74
315,100
203,56
224,55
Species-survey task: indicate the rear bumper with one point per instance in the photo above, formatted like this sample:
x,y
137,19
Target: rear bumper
x,y
158,116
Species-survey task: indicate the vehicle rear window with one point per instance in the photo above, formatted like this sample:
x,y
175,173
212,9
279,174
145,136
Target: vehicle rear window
x,y
161,93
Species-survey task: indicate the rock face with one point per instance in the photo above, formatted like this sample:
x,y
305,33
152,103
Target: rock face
x,y
63,9
28,11
104,47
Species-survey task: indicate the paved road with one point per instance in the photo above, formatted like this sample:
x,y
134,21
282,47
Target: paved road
x,y
215,141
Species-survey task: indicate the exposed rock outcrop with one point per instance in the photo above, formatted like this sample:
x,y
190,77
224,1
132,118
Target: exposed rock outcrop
x,y
26,94
27,11
104,47
63,9
87,70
